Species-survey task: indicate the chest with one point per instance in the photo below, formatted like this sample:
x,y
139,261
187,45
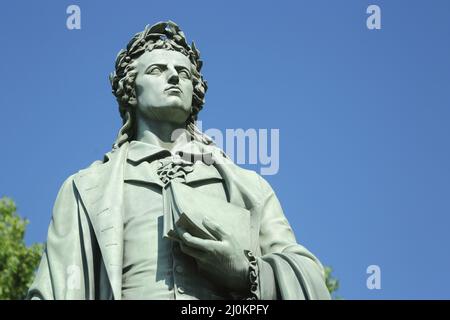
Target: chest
x,y
143,186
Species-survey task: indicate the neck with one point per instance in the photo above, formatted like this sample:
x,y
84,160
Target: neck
x,y
161,133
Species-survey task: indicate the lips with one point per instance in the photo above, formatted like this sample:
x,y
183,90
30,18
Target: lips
x,y
174,88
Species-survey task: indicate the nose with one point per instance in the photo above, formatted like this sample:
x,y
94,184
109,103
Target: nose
x,y
173,76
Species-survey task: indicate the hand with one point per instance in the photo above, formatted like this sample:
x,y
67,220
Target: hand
x,y
222,259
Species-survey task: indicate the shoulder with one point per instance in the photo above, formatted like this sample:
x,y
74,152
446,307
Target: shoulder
x,y
68,186
110,158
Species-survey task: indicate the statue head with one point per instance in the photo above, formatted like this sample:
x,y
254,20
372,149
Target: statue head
x,y
158,76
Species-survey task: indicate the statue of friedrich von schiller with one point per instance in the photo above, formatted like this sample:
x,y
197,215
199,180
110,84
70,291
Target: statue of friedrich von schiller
x,y
166,214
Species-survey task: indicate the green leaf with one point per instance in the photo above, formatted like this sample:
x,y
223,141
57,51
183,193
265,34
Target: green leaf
x,y
17,261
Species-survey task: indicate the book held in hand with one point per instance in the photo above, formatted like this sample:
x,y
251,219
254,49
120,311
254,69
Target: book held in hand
x,y
186,207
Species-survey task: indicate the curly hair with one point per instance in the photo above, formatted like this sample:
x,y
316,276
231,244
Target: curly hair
x,y
162,35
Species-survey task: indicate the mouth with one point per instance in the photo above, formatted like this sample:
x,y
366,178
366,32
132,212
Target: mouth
x,y
174,89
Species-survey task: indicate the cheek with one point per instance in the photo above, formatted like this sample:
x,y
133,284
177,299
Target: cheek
x,y
188,92
145,89
188,89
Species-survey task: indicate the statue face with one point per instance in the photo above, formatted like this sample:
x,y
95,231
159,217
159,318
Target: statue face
x,y
163,86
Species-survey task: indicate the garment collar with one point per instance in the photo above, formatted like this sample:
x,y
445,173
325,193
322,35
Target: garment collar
x,y
139,151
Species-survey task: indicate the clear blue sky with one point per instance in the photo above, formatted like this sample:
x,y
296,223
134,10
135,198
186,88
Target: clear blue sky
x,y
363,116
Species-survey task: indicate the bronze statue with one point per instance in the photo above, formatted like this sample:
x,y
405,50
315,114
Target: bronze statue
x,y
166,214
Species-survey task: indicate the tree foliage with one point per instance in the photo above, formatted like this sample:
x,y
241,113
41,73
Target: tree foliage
x,y
332,283
17,261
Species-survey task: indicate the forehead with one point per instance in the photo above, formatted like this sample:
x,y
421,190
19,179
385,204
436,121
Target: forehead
x,y
161,56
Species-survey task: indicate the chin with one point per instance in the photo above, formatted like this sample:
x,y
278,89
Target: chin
x,y
174,111
177,113
175,101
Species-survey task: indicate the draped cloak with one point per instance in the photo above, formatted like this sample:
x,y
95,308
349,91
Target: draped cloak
x,y
83,255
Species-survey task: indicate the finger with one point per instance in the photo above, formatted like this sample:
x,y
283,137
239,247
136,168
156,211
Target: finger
x,y
215,229
180,231
194,253
198,243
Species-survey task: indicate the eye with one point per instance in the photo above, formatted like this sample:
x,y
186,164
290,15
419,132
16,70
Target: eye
x,y
184,74
155,70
